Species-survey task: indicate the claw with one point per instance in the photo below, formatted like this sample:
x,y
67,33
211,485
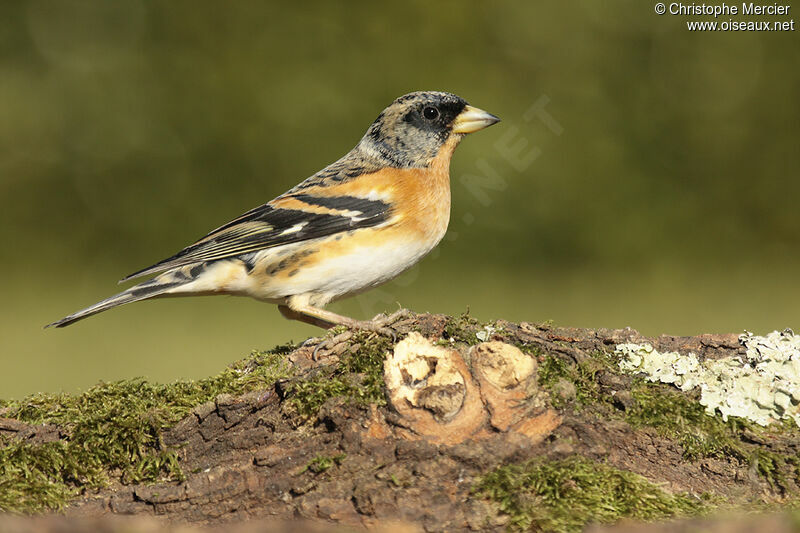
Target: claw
x,y
311,341
387,332
320,346
328,343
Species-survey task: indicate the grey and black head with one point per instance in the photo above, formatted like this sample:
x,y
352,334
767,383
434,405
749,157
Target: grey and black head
x,y
410,132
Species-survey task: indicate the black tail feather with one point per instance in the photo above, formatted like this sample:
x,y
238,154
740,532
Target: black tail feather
x,y
142,291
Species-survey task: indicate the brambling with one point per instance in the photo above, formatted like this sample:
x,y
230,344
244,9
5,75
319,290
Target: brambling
x,y
355,224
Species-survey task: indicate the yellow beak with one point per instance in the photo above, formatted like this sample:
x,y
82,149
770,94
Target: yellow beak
x,y
472,119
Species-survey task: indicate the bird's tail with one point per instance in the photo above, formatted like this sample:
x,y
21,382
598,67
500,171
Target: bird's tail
x,y
148,289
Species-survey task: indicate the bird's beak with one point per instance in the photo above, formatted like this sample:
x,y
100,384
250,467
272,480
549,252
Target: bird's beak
x,y
472,119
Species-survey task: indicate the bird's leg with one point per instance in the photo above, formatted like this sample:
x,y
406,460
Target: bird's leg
x,y
291,314
318,343
327,319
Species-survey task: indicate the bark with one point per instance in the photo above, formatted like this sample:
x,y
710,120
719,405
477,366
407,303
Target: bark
x,y
453,413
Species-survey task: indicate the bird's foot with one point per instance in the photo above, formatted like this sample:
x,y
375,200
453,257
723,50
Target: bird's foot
x,y
383,320
328,343
381,323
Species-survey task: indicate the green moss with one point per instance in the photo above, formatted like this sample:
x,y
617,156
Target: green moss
x,y
462,329
674,414
34,477
113,429
781,471
358,377
679,417
321,463
551,369
583,376
533,351
565,495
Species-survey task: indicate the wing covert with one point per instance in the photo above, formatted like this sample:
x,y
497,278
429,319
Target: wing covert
x,y
305,216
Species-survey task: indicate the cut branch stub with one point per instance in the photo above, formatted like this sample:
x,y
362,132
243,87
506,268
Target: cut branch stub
x,y
507,379
433,391
438,398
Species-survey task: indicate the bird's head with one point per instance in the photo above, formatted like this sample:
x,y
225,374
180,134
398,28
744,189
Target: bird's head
x,y
412,131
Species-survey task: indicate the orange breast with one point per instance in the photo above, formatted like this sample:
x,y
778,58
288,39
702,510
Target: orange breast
x,y
420,197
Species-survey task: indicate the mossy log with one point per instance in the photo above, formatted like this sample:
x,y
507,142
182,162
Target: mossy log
x,y
455,426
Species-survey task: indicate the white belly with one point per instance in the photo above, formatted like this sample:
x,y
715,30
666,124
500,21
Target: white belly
x,y
360,269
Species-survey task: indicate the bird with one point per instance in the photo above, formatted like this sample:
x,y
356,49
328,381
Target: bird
x,y
355,224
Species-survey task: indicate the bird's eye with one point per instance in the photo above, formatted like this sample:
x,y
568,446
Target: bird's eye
x,y
430,113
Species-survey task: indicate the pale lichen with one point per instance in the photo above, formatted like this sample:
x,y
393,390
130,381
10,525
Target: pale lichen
x,y
763,386
486,333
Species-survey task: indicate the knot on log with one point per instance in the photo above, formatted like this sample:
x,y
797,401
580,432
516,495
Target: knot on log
x,y
441,399
419,374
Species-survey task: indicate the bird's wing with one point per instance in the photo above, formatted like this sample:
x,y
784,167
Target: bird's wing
x,y
294,217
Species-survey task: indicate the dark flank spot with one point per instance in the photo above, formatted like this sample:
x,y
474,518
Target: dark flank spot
x,y
182,276
196,270
294,260
277,267
338,237
293,272
179,275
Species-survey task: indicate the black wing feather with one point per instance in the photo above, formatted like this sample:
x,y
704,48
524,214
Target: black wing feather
x,y
266,227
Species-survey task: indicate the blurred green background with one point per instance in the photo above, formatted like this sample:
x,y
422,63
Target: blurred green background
x,y
660,190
